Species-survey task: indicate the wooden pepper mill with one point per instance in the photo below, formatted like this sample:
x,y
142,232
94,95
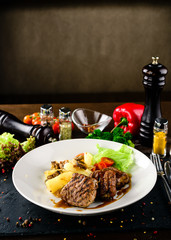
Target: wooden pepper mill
x,y
9,123
153,81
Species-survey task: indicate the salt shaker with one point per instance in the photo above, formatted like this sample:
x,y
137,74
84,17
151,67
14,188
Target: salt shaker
x,y
46,115
160,131
153,81
65,123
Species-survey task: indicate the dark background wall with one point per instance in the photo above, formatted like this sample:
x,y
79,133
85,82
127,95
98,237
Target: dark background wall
x,y
58,51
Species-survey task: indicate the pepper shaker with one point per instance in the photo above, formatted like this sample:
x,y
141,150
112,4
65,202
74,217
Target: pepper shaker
x,y
153,81
46,115
160,131
65,123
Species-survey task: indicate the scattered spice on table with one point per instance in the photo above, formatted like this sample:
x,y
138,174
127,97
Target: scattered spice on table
x,y
17,224
28,222
91,235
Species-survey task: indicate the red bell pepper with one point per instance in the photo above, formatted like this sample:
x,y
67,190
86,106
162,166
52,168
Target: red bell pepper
x,y
133,113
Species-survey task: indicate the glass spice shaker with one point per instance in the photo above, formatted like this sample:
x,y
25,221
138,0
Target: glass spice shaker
x,y
65,123
160,131
46,115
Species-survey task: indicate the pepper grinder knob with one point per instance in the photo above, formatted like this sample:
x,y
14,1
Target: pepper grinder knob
x,y
155,60
153,81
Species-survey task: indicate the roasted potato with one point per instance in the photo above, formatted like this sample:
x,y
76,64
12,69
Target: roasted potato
x,y
71,167
49,172
88,159
57,183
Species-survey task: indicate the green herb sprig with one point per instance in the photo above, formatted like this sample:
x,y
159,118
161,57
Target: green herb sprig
x,y
117,135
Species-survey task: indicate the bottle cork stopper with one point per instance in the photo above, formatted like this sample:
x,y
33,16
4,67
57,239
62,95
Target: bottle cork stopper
x,y
155,60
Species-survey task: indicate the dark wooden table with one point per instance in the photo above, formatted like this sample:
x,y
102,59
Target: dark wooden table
x,y
21,110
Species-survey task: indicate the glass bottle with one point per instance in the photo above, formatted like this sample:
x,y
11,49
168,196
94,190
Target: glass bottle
x,y
160,131
46,115
65,123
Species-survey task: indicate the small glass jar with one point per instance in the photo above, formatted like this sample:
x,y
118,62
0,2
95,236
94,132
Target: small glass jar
x,y
160,131
46,115
65,123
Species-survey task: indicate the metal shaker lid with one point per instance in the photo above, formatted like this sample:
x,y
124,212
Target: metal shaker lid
x,y
46,109
161,123
64,111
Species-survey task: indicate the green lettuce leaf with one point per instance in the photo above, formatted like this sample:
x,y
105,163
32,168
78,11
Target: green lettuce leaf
x,y
123,158
6,142
29,144
11,150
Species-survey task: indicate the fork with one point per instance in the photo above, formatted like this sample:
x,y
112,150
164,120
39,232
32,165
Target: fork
x,y
155,158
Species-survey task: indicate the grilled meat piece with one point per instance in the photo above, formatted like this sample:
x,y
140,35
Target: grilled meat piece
x,y
106,183
122,178
80,191
109,180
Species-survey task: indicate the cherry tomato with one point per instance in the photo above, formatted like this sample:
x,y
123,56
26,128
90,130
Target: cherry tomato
x,y
36,114
28,119
104,163
55,128
36,120
100,165
108,161
72,126
56,119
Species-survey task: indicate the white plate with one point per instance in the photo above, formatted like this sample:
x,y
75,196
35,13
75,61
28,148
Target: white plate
x,y
28,175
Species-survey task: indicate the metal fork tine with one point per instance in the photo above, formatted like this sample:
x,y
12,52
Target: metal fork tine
x,y
151,157
159,163
156,162
155,158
